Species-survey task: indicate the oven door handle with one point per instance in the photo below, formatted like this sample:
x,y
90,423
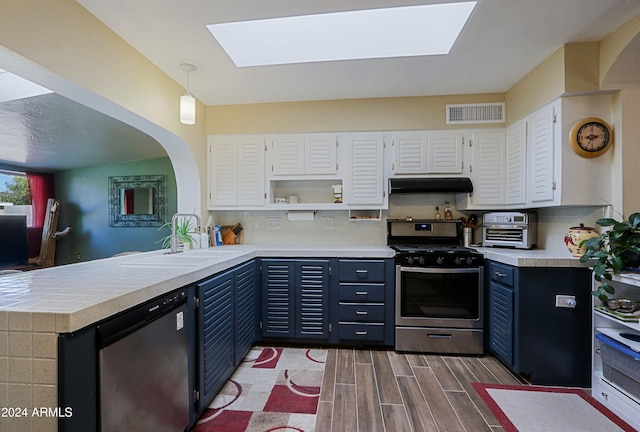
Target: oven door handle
x,y
439,270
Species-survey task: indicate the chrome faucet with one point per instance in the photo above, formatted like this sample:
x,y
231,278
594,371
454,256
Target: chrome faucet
x,y
174,218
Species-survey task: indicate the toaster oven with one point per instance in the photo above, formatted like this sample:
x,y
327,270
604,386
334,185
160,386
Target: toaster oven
x,y
509,229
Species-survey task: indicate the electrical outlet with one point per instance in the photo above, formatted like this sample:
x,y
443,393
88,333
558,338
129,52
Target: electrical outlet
x,y
78,256
566,301
274,223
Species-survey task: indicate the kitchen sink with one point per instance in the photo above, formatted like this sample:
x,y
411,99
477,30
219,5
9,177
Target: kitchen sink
x,y
182,259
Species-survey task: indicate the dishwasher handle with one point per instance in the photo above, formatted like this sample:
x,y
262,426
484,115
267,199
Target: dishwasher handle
x,y
123,325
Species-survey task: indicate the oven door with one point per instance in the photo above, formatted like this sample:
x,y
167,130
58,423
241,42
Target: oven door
x,y
439,297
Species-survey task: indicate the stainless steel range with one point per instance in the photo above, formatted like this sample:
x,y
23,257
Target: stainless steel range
x,y
439,288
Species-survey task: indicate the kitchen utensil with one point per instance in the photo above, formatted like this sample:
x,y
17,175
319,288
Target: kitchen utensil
x,y
627,305
473,220
467,236
228,237
613,304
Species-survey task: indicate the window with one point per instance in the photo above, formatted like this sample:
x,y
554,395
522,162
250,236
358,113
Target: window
x,y
15,196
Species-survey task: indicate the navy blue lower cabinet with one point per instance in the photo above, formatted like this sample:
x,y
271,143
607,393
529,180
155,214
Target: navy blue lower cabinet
x,y
295,299
246,309
500,323
216,334
539,341
363,302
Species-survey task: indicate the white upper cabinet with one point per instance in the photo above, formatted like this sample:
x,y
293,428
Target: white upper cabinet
x,y
321,154
444,152
251,176
541,137
559,176
516,169
364,180
487,168
236,171
293,155
409,153
426,153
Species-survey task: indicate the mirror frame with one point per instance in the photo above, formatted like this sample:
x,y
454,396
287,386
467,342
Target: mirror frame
x,y
157,218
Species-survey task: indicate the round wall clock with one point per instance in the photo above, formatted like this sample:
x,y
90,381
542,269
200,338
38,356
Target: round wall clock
x,y
591,137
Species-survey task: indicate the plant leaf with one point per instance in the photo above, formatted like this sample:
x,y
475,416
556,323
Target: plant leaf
x,y
606,222
634,219
621,227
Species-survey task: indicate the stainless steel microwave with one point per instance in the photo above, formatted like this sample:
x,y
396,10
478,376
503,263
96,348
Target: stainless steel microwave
x,y
509,229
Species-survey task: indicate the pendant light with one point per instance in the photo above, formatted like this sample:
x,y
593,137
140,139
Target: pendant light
x,y
187,101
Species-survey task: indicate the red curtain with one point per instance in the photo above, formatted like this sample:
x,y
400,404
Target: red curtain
x,y
128,201
42,188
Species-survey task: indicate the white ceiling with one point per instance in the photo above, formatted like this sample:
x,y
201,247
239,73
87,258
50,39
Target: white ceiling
x,y
51,132
502,41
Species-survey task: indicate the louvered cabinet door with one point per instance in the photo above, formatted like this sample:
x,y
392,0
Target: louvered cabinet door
x,y
246,312
444,152
251,171
278,301
409,153
320,154
516,169
222,171
366,186
287,155
216,334
540,155
312,303
488,169
501,322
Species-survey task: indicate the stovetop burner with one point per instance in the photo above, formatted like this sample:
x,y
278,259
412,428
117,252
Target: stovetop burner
x,y
433,249
430,243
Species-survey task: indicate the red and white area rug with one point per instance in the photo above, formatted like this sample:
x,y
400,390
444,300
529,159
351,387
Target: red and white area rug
x,y
273,389
548,409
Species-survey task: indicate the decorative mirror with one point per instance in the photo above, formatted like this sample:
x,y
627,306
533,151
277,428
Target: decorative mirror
x,y
137,201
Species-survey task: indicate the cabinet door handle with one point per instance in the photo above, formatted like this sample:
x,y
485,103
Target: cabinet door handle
x,y
498,274
361,293
361,332
361,312
362,273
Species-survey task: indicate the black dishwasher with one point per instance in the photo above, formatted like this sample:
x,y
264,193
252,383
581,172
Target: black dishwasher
x,y
143,367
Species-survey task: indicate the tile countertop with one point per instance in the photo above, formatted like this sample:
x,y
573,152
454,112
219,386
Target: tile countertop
x,y
74,296
531,258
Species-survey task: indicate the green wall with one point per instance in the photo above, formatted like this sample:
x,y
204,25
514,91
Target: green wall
x,y
84,205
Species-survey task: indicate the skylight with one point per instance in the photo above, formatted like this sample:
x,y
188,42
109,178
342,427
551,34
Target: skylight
x,y
13,87
364,34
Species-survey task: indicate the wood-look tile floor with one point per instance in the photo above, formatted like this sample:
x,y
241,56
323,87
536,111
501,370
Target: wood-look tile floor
x,y
384,391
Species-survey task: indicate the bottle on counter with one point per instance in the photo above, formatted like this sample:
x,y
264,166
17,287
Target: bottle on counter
x,y
448,213
437,216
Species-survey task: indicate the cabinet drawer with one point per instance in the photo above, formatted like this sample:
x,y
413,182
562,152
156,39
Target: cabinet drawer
x,y
361,312
361,292
361,332
361,271
502,273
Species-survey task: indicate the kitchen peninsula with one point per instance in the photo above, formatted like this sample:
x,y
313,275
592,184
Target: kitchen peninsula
x,y
36,307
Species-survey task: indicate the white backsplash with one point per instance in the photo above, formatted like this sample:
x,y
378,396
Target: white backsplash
x,y
334,227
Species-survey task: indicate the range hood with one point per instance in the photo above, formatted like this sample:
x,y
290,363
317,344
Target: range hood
x,y
430,185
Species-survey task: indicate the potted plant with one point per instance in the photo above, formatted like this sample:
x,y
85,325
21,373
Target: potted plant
x,y
617,248
184,231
